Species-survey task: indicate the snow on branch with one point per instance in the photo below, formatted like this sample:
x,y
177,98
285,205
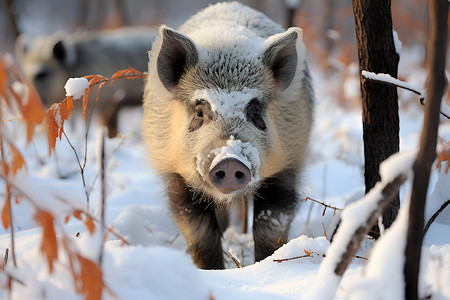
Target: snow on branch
x,y
388,79
357,219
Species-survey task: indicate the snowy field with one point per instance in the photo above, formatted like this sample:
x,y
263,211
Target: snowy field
x,y
155,264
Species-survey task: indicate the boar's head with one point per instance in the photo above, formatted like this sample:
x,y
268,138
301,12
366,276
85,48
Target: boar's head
x,y
218,113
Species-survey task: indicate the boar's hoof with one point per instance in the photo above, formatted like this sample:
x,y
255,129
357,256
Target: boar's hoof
x,y
229,175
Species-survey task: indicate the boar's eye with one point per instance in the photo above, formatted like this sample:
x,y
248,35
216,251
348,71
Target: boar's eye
x,y
202,114
199,113
253,114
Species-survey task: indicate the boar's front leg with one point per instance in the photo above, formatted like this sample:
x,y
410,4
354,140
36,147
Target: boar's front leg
x,y
274,208
197,221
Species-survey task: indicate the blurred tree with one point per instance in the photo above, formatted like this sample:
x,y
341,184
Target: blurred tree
x,y
377,53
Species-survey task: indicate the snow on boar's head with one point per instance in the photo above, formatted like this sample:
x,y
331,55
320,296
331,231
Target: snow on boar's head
x,y
227,111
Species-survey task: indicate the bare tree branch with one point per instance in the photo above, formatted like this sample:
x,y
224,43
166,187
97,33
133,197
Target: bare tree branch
x,y
434,216
389,191
437,47
389,80
349,237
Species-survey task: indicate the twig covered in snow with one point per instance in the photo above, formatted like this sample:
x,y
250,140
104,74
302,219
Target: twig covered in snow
x,y
387,192
233,257
389,80
357,220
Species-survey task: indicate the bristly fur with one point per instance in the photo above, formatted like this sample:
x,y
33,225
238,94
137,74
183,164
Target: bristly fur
x,y
229,49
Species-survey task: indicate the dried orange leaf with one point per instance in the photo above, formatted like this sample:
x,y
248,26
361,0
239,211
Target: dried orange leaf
x,y
91,279
6,218
33,111
18,161
5,168
89,224
52,128
77,214
4,77
69,102
444,156
49,245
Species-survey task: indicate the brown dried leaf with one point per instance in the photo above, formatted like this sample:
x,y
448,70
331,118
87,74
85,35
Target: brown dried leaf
x,y
33,111
6,218
49,245
5,168
90,278
69,102
89,224
444,156
52,128
18,161
93,80
77,214
4,77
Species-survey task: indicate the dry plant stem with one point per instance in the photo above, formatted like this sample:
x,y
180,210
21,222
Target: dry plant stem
x,y
305,256
130,76
435,215
322,203
102,191
79,165
422,99
388,192
290,258
236,262
244,214
5,259
13,251
436,82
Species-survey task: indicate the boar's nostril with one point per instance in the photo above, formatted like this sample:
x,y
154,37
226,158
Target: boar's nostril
x,y
220,175
239,175
229,175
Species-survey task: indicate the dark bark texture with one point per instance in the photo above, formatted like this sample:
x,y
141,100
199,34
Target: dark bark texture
x,y
376,52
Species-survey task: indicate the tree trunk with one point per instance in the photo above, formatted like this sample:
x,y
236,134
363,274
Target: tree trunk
x,y
377,53
437,48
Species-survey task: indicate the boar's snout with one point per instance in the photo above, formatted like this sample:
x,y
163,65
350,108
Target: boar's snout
x,y
229,175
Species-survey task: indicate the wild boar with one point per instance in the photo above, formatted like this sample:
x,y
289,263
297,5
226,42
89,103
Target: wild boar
x,y
49,61
228,107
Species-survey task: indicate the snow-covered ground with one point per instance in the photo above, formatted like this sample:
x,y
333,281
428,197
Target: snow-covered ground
x,y
156,265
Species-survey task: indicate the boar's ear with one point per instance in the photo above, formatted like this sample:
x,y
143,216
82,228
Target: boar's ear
x,y
177,54
21,45
281,55
63,50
